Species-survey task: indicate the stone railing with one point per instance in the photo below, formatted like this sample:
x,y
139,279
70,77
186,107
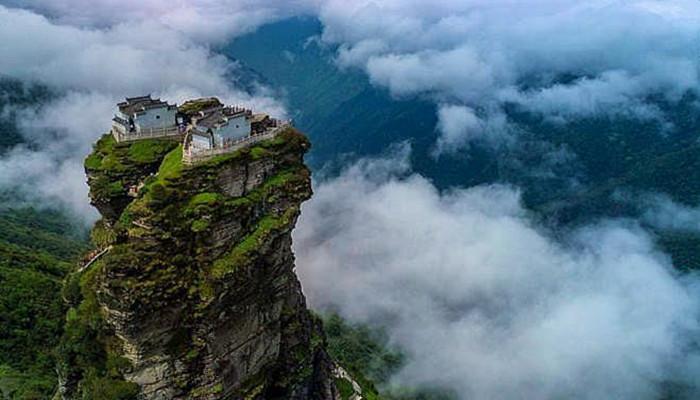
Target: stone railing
x,y
191,156
150,133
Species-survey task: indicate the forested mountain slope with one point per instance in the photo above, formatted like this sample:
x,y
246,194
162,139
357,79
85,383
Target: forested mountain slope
x,y
37,248
570,173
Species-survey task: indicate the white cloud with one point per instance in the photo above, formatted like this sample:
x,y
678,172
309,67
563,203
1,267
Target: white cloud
x,y
485,302
459,126
667,214
662,212
91,69
202,20
480,54
472,53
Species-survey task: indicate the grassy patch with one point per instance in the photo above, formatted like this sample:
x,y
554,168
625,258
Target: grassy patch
x,y
241,254
200,225
202,200
345,388
94,161
171,167
258,152
191,107
149,150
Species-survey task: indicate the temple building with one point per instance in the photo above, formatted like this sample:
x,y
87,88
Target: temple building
x,y
221,126
205,126
143,115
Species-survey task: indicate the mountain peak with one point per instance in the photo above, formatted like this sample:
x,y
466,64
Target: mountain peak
x,y
191,293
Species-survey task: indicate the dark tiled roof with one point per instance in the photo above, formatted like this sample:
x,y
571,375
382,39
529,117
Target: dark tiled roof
x,y
218,116
134,105
259,118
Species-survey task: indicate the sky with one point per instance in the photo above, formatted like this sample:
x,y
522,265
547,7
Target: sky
x,y
483,299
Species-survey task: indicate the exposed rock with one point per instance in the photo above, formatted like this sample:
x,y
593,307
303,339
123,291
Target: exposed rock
x,y
198,298
113,168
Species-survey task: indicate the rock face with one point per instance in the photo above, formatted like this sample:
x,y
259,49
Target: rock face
x,y
197,298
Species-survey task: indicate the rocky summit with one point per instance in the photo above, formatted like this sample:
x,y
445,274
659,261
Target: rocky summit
x,y
190,292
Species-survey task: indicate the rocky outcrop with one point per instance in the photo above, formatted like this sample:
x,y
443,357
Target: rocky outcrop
x,y
112,169
197,298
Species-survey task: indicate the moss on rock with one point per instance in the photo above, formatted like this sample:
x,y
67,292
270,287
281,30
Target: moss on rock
x,y
112,168
197,259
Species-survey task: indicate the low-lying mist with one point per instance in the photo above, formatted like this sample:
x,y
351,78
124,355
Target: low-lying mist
x,y
489,304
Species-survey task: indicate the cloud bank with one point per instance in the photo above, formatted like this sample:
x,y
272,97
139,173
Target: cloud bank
x,y
90,69
563,59
488,303
202,20
661,212
483,300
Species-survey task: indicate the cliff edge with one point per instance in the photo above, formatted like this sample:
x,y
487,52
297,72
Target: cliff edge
x,y
191,292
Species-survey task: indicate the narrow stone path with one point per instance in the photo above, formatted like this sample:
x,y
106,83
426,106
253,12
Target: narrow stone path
x,y
95,258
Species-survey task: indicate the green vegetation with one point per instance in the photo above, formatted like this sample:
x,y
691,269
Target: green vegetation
x,y
242,253
110,156
31,313
114,167
23,385
206,198
149,151
171,167
360,350
192,107
367,355
258,152
37,248
345,388
84,350
176,206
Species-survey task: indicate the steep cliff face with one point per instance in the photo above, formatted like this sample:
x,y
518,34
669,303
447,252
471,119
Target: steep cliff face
x,y
196,297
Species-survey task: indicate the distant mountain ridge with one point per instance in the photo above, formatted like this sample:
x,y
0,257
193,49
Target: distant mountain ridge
x,y
568,172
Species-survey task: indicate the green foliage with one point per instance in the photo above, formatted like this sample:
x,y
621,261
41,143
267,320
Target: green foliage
x,y
366,354
200,225
345,388
108,155
149,150
42,231
113,167
115,188
98,387
157,193
360,350
192,107
171,167
242,253
84,352
22,385
206,198
93,161
258,152
102,235
31,312
202,202
37,248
